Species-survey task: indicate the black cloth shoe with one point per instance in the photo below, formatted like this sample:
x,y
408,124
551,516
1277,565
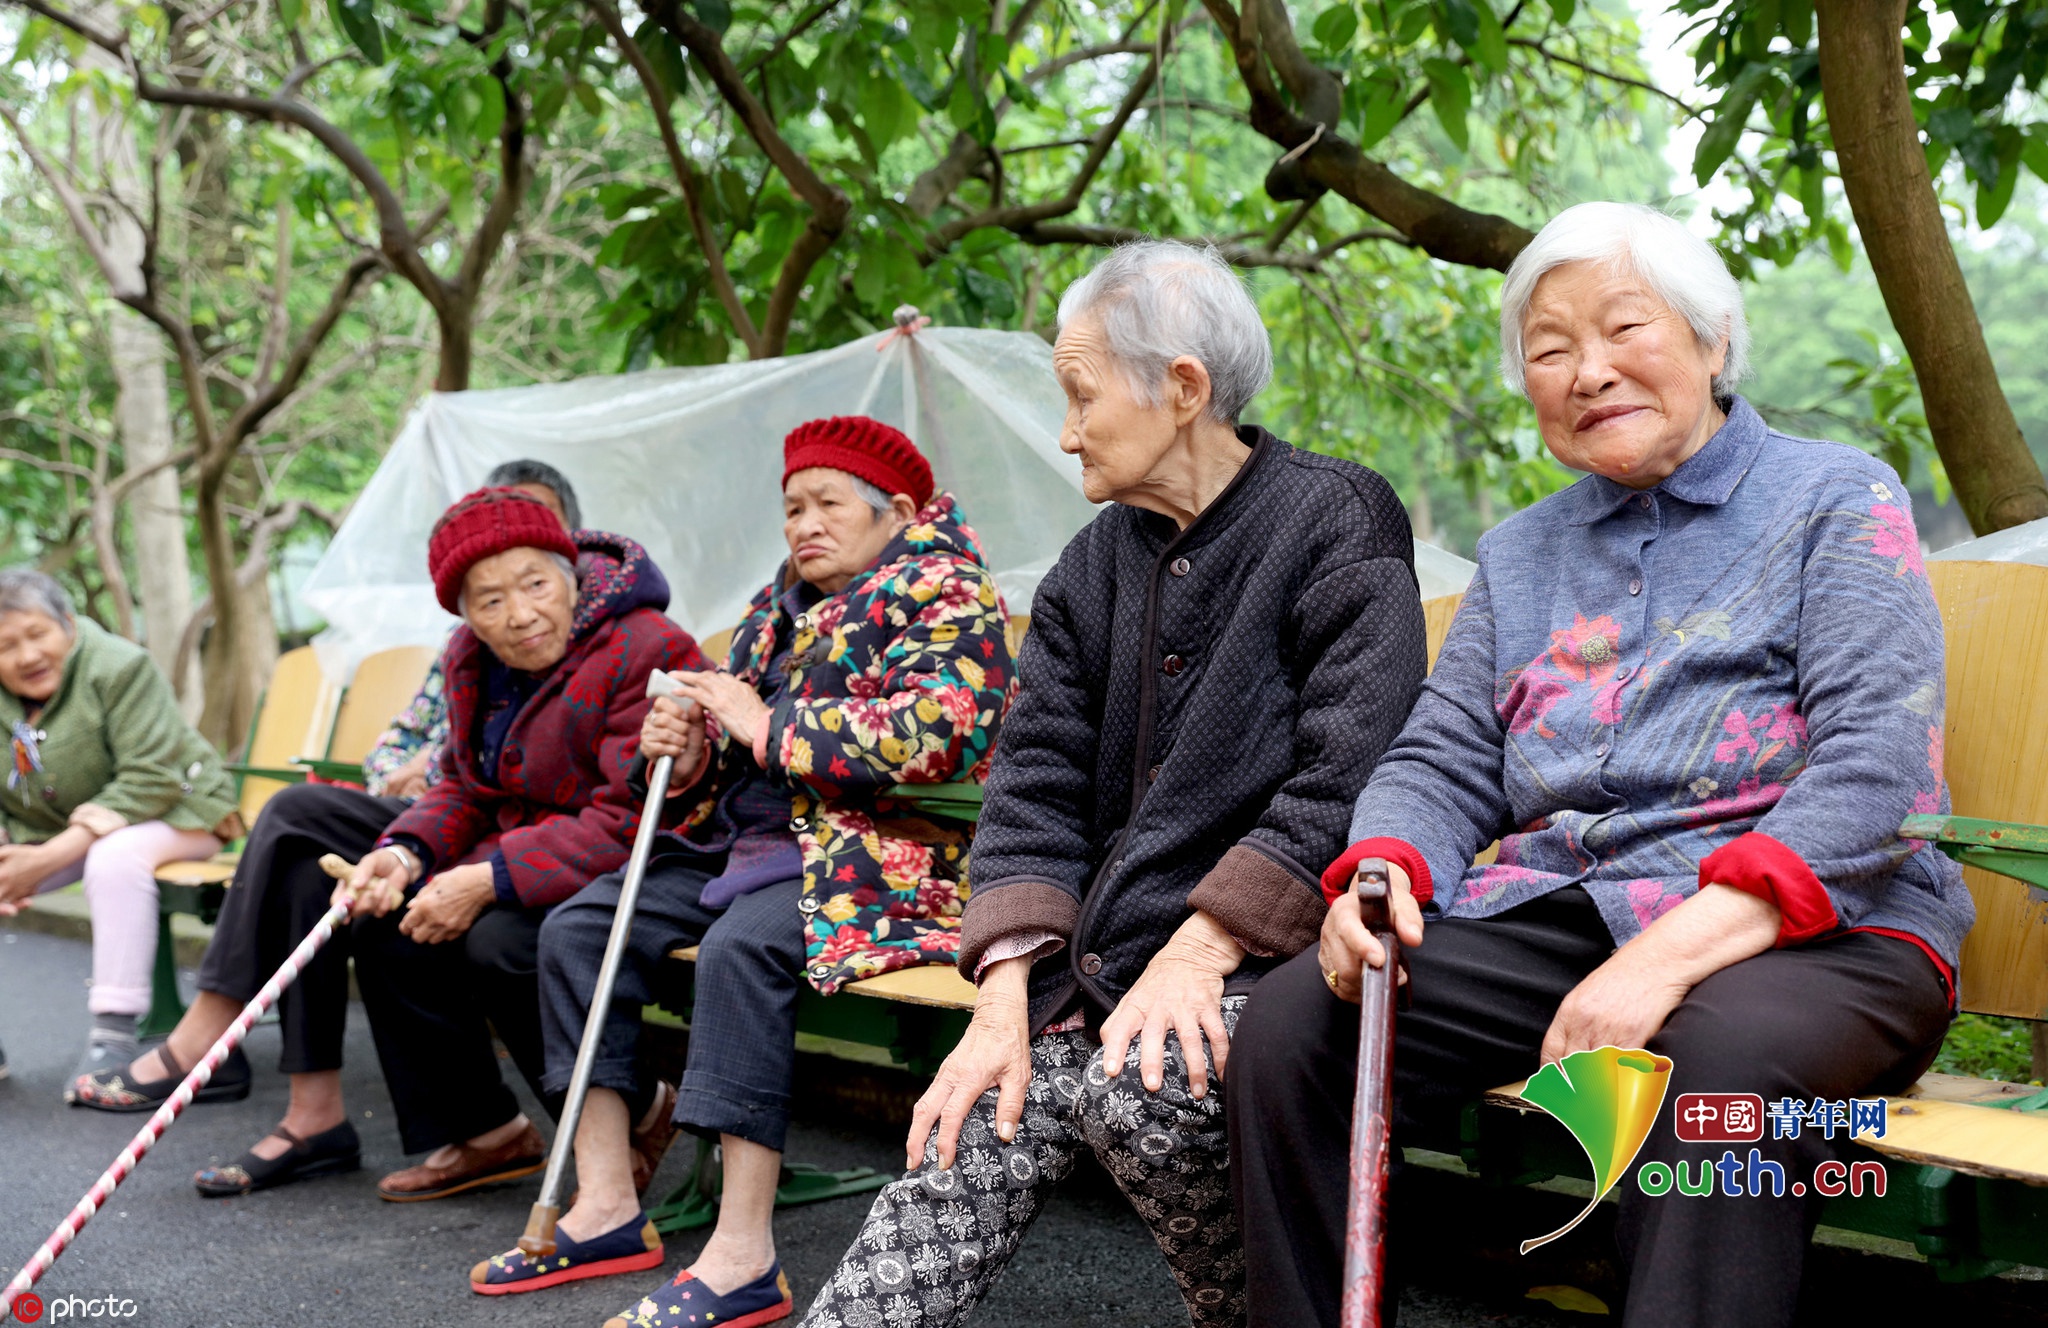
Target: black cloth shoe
x,y
328,1153
113,1090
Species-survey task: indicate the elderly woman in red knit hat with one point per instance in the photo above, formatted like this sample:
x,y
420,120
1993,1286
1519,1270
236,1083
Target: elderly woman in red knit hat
x,y
875,658
546,691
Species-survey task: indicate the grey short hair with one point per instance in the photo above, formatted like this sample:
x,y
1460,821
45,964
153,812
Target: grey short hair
x,y
872,495
524,471
25,590
1158,300
561,564
1681,268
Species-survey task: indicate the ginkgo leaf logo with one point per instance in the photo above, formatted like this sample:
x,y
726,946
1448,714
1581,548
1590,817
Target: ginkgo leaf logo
x,y
1608,1098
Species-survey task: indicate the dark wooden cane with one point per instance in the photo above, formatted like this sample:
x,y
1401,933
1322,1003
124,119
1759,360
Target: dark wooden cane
x,y
1365,1226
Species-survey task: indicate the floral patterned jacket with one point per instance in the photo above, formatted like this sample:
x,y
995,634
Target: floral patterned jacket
x,y
421,726
1734,677
903,677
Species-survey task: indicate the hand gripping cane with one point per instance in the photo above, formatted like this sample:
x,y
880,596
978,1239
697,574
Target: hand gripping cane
x,y
174,1106
539,1238
1365,1233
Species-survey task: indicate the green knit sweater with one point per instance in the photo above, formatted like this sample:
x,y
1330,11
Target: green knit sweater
x,y
112,736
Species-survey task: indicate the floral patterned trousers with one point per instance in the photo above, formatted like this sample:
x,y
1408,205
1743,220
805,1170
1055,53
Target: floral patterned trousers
x,y
935,1241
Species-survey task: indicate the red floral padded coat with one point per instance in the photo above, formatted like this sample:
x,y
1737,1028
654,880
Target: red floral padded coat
x,y
559,810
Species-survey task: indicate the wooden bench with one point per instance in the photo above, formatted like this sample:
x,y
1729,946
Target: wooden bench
x,y
1970,1192
304,724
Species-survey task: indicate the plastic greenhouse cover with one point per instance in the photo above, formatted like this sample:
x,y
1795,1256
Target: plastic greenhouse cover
x,y
2015,544
688,461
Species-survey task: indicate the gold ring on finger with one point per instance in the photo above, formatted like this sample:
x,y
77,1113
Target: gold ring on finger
x,y
1331,978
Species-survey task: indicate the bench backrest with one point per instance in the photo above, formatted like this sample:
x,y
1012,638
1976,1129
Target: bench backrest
x,y
385,684
1996,754
296,718
1995,750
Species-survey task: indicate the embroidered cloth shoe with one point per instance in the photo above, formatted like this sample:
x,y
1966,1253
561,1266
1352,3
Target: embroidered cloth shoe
x,y
688,1303
632,1248
522,1155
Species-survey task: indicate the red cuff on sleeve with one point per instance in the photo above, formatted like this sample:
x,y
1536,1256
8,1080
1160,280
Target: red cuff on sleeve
x,y
1337,876
1760,865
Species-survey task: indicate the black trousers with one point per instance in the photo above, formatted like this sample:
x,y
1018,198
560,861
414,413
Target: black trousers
x,y
1853,1015
278,894
743,1026
432,1009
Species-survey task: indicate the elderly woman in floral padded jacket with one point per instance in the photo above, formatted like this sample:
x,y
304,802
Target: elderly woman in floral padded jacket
x,y
877,658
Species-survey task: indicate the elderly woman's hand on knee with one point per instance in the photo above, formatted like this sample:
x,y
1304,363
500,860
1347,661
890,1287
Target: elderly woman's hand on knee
x,y
1348,947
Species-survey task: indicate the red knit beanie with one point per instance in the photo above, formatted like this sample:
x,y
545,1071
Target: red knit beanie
x,y
483,525
870,449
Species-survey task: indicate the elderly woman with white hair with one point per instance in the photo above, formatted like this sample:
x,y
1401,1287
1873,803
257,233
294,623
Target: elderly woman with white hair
x,y
1692,696
1213,667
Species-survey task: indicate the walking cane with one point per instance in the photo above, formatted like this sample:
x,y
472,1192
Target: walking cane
x,y
539,1238
1365,1227
174,1106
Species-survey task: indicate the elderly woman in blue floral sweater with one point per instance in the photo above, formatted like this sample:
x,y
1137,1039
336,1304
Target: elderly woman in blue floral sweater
x,y
1692,697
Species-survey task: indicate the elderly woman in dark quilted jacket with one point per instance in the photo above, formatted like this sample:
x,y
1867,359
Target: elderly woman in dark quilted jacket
x,y
1213,666
876,659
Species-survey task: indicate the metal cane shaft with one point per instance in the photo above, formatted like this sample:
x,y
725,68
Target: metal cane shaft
x,y
1365,1251
173,1107
600,1004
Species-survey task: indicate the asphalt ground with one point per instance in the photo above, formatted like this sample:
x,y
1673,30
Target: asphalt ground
x,y
329,1252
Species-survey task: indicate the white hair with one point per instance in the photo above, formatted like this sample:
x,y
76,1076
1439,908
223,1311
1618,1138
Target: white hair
x,y
25,590
872,495
1679,267
1158,300
561,564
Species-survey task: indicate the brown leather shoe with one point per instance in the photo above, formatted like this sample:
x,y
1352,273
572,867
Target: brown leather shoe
x,y
650,1145
521,1156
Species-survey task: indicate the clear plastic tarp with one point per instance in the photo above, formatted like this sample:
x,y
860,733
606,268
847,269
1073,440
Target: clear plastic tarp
x,y
688,462
2015,544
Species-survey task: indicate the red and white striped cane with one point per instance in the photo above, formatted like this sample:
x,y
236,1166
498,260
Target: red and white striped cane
x,y
175,1105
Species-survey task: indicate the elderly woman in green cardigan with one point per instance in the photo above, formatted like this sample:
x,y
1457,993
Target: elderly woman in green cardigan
x,y
105,782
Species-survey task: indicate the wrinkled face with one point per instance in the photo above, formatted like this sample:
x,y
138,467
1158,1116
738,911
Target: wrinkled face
x,y
520,605
1621,385
32,650
833,534
548,496
1120,438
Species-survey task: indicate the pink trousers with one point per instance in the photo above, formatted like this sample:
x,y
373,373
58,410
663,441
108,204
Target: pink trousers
x,y
119,872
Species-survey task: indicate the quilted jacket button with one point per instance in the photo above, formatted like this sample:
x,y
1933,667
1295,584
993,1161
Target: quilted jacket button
x,y
1091,964
1180,567
807,905
799,824
1172,665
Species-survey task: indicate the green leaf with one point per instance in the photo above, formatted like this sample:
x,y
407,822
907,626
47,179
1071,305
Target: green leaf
x,y
1951,125
989,297
1795,20
290,11
1458,21
1381,112
1719,141
887,112
490,114
2034,149
713,14
1995,194
1839,247
1450,96
1490,51
915,82
1562,10
664,56
357,20
587,97
1336,26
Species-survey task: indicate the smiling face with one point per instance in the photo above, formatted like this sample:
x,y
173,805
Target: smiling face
x,y
521,606
1120,438
833,534
33,646
1621,385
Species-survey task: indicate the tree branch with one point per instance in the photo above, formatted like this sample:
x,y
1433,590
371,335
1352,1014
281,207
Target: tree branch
x,y
796,30
1532,44
686,174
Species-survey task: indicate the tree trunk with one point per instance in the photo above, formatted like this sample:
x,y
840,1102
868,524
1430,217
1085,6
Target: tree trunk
x,y
142,411
231,690
457,325
1884,173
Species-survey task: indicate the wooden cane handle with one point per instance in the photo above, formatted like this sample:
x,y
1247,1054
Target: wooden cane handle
x,y
338,867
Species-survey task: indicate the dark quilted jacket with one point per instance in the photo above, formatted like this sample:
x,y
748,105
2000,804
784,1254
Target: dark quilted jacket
x,y
1198,710
559,810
